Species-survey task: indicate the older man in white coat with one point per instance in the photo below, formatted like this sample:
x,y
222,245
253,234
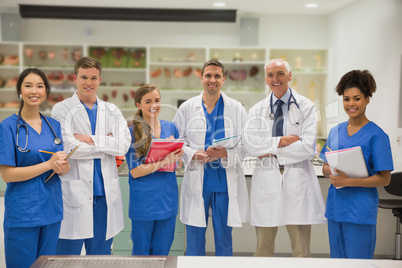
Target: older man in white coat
x,y
92,201
281,132
213,178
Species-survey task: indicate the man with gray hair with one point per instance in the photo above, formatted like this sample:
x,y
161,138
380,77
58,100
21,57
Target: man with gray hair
x,y
281,132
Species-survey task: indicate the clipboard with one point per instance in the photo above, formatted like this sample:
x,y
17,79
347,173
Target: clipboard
x,y
350,161
68,156
227,143
159,149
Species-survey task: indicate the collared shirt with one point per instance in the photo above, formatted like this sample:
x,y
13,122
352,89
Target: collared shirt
x,y
286,99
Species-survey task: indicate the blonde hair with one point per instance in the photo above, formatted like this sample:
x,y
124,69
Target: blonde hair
x,y
142,131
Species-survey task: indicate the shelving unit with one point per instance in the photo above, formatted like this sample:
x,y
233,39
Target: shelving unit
x,y
10,62
244,67
174,70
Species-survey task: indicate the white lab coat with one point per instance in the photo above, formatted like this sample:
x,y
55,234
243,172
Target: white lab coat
x,y
293,198
77,185
191,122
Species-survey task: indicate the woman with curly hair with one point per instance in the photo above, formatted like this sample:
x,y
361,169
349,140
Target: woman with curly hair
x,y
351,210
153,204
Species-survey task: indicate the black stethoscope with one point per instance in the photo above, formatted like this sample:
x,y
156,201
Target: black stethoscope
x,y
291,100
56,140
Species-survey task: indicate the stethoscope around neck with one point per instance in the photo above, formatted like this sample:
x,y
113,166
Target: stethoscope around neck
x,y
56,140
291,100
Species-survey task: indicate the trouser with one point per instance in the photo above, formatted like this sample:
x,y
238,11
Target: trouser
x,y
219,203
97,245
22,246
349,240
152,237
300,236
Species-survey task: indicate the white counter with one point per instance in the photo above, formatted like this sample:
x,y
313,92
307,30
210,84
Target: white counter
x,y
234,262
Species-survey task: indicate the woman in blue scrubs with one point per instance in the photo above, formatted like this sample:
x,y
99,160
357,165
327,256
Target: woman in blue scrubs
x,y
154,201
33,208
352,210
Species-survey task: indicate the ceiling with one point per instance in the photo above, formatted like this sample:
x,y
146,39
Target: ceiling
x,y
249,7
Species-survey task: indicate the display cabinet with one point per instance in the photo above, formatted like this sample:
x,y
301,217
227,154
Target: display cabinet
x,y
244,68
176,68
176,71
10,61
124,69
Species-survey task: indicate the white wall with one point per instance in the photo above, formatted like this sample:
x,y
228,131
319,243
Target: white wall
x,y
278,31
129,32
274,31
368,35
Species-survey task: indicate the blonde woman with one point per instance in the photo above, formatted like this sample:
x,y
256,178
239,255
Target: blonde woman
x,y
153,202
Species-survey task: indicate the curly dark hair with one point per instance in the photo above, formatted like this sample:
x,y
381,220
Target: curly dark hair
x,y
362,80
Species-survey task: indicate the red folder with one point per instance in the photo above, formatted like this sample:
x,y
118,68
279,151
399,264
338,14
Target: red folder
x,y
159,149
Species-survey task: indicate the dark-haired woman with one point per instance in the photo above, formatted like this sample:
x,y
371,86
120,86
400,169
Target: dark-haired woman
x,y
33,208
153,202
352,210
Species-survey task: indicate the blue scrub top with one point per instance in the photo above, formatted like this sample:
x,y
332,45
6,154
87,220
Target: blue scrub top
x,y
358,205
99,188
154,196
33,202
214,172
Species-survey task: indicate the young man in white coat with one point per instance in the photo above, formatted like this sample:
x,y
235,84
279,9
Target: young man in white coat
x,y
213,178
92,201
281,132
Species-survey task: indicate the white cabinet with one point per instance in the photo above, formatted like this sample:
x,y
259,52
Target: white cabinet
x,y
176,68
10,62
244,68
124,69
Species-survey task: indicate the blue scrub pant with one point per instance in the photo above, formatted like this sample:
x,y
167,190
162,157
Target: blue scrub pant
x,y
97,245
152,237
352,241
219,203
23,246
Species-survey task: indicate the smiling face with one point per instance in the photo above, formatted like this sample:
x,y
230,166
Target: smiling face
x,y
33,90
212,79
277,78
150,105
87,81
354,102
